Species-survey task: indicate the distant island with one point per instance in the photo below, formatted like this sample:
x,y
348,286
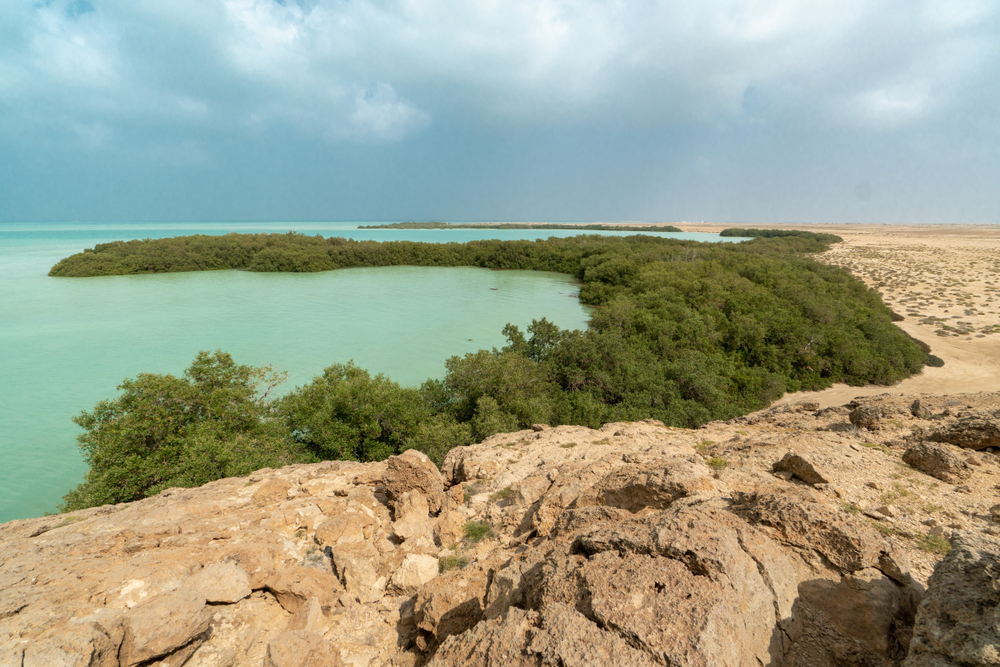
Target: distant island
x,y
525,225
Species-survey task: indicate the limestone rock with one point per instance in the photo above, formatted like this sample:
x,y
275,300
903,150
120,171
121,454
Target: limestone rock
x,y
799,467
449,605
350,526
357,566
162,625
958,622
308,616
937,461
639,487
413,471
301,648
415,571
557,636
221,583
977,431
866,416
293,586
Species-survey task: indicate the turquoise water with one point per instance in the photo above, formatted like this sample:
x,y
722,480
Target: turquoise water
x,y
66,343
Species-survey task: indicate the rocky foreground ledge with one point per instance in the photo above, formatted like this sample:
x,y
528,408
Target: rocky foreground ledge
x,y
790,537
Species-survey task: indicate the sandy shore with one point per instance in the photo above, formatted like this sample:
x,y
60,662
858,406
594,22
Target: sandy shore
x,y
943,279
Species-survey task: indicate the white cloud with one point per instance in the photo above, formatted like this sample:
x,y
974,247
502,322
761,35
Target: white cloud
x,y
380,70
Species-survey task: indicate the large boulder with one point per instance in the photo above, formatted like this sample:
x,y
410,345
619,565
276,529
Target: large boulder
x,y
413,471
977,431
866,417
958,622
162,625
937,461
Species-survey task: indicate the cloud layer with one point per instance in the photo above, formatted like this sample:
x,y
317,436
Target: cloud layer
x,y
175,81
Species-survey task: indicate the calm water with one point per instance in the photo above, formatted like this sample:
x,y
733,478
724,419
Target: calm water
x,y
66,343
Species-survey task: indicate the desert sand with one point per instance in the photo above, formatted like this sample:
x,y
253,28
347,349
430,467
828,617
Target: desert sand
x,y
943,279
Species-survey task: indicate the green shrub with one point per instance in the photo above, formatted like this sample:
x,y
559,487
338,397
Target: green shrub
x,y
476,531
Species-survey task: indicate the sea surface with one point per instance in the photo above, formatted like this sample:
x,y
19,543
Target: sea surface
x,y
66,343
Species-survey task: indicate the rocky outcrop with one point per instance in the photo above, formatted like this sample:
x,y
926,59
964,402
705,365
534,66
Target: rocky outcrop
x,y
866,417
937,461
958,623
973,431
786,538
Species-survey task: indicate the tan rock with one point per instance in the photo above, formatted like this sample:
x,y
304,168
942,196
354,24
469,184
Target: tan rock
x,y
75,647
357,566
416,570
309,616
221,583
958,622
413,471
867,417
271,490
293,586
162,625
301,648
449,605
799,467
350,526
634,488
937,461
412,520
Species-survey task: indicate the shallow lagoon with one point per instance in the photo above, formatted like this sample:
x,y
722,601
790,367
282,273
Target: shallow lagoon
x,y
66,343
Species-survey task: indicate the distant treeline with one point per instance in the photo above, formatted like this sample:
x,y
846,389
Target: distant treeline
x,y
778,233
684,332
518,225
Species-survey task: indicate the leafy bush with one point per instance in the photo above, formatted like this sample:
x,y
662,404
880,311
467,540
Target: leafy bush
x,y
165,431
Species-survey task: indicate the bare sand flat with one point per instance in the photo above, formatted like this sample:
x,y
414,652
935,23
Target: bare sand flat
x,y
943,279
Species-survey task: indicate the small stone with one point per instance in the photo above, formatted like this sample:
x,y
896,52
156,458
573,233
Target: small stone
x,y
873,485
936,531
886,510
963,489
929,522
539,427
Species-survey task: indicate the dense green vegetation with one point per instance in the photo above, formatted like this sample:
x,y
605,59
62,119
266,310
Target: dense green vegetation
x,y
684,332
590,227
778,233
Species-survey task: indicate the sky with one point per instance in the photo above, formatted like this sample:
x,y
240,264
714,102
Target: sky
x,y
464,110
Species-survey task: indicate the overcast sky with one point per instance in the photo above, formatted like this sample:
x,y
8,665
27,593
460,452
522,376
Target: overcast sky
x,y
729,110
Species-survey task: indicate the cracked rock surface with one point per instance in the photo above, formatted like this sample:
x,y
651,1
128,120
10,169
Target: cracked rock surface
x,y
789,537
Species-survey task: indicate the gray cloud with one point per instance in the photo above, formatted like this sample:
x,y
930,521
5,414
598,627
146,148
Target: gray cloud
x,y
172,82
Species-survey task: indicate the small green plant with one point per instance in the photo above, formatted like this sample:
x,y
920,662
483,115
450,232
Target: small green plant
x,y
850,508
930,508
313,556
476,531
470,490
502,494
605,441
67,521
568,445
453,562
886,529
300,533
717,463
934,544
